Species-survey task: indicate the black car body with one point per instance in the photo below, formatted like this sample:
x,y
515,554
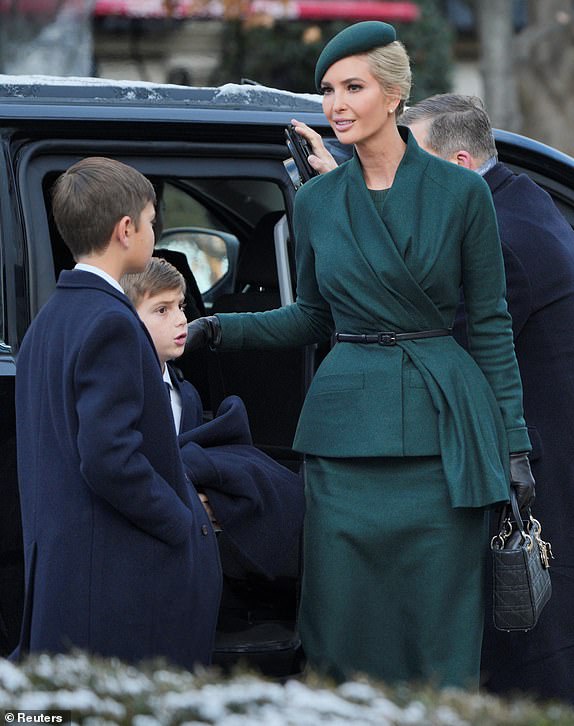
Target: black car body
x,y
216,157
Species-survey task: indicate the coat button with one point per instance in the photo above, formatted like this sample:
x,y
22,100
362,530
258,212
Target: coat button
x,y
204,529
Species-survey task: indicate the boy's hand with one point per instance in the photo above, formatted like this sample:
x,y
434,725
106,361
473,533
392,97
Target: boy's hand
x,y
203,332
207,506
321,160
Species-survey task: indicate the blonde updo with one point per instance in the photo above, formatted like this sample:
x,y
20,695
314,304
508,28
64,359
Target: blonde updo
x,y
390,65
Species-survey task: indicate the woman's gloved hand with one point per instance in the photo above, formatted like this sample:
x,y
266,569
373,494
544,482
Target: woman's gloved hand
x,y
522,481
203,332
321,159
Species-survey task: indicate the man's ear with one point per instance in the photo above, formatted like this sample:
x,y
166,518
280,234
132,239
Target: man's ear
x,y
463,158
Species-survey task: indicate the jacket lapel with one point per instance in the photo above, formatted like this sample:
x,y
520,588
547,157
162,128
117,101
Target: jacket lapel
x,y
384,252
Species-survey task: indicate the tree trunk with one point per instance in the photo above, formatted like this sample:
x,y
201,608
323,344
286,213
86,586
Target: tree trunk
x,y
53,38
545,73
496,31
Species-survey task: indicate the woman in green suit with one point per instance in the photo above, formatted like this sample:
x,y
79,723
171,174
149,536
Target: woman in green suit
x,y
409,439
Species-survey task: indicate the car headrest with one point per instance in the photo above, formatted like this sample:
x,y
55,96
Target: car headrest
x,y
257,263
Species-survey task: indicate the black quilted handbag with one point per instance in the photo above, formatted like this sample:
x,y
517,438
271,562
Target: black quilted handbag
x,y
521,562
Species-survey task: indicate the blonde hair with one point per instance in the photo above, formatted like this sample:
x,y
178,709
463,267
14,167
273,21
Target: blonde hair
x,y
390,65
158,276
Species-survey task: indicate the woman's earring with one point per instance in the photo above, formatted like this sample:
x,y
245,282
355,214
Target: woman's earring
x,y
391,110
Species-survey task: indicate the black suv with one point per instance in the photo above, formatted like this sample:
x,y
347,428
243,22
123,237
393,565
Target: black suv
x,y
225,196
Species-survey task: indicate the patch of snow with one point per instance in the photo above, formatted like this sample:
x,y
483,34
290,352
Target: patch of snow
x,y
11,678
117,684
175,680
143,720
41,80
228,89
448,717
414,713
236,89
81,700
105,691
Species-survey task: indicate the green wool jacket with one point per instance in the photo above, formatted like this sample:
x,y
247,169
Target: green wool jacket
x,y
360,271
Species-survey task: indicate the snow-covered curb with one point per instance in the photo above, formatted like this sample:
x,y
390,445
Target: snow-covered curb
x,y
107,691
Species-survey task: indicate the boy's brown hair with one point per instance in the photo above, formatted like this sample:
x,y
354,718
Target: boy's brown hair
x,y
158,276
90,198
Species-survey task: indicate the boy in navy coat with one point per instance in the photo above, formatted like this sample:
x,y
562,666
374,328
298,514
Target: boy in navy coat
x,y
120,557
257,503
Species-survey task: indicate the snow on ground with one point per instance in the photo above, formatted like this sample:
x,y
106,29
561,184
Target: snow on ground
x,y
108,692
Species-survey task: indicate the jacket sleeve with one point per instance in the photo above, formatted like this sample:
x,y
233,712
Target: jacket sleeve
x,y
109,402
518,297
489,324
308,320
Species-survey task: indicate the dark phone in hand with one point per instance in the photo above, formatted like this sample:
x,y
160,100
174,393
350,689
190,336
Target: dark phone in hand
x,y
300,150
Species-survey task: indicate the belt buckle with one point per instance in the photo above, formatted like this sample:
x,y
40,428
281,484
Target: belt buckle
x,y
387,338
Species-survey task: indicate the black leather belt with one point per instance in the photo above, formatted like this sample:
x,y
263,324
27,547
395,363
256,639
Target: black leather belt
x,y
390,338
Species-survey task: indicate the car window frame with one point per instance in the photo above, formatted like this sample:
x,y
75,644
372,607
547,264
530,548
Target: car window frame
x,y
40,158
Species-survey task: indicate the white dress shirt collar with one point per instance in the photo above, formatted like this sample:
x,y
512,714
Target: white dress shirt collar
x,y
100,273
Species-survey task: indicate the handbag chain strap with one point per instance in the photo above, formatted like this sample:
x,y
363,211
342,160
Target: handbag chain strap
x,y
530,534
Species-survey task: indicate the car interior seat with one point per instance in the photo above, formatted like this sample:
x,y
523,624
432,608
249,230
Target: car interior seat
x,y
257,617
272,383
194,307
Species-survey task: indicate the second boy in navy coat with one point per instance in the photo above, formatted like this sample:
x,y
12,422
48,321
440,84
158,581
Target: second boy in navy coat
x,y
258,503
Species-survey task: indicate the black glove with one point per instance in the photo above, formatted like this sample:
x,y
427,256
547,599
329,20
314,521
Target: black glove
x,y
522,482
203,332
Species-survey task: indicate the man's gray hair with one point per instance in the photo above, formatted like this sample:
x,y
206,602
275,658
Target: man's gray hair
x,y
457,122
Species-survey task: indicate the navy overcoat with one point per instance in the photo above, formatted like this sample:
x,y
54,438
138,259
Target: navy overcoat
x,y
259,503
120,556
538,250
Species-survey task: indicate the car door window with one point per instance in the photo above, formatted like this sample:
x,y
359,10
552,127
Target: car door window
x,y
208,220
187,226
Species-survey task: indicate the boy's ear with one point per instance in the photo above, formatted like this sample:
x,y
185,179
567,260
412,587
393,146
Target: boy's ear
x,y
122,230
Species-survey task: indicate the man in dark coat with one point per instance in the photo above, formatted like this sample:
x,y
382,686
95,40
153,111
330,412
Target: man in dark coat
x,y
538,249
120,556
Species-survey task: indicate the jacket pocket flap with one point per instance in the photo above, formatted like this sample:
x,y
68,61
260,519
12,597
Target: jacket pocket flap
x,y
337,383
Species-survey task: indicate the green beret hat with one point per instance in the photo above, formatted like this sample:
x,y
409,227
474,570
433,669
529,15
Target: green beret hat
x,y
357,38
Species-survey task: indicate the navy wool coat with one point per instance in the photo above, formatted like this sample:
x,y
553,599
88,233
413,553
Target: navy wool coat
x,y
538,250
259,503
120,556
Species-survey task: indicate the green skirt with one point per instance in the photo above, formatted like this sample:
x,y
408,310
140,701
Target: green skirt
x,y
393,579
